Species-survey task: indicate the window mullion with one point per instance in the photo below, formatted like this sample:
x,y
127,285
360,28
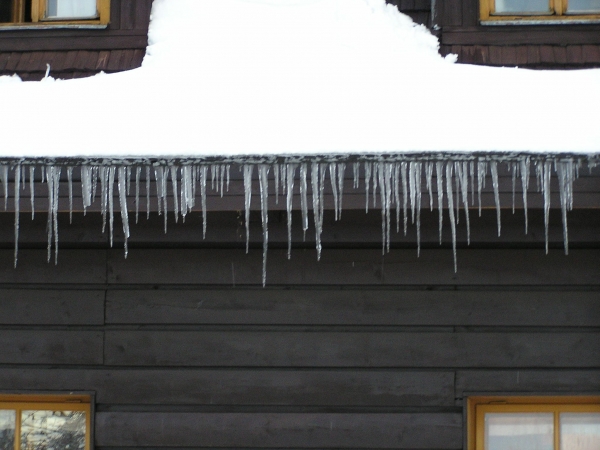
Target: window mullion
x,y
556,430
17,429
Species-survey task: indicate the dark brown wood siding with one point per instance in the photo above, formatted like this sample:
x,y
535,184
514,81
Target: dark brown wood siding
x,y
183,348
79,53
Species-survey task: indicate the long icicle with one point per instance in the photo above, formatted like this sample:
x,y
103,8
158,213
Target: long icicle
x,y
247,168
122,186
17,201
263,178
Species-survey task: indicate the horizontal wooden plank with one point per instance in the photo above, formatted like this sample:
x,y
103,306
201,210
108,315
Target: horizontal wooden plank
x,y
354,307
527,381
51,307
74,266
268,430
356,267
74,41
236,387
50,347
524,35
351,349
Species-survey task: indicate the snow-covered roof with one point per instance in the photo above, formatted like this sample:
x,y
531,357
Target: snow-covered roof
x,y
225,78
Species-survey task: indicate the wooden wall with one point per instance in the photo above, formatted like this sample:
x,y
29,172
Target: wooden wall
x,y
79,53
184,349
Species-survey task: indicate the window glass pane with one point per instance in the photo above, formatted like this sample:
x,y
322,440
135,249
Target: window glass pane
x,y
80,9
7,429
580,431
523,6
583,6
5,11
53,430
518,431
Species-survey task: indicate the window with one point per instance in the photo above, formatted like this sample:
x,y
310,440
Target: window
x,y
497,12
53,12
541,423
45,422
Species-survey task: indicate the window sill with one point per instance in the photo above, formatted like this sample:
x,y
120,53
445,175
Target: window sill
x,y
529,22
54,26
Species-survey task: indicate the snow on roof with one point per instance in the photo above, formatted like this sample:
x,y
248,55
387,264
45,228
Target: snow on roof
x,y
302,77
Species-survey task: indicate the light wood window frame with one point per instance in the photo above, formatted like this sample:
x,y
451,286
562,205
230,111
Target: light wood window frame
x,y
38,14
18,403
558,13
478,406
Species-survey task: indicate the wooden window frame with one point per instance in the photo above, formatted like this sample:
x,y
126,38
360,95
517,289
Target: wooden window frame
x,y
38,13
71,402
479,405
558,15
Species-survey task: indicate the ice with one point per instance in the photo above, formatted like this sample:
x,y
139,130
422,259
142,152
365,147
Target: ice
x,y
17,200
263,179
395,183
248,168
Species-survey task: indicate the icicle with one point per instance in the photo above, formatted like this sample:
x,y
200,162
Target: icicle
x,y
451,211
333,179
70,182
283,178
214,172
481,171
384,215
341,171
396,184
276,175
375,178
303,197
187,190
513,167
173,170
429,177
543,169
356,171
32,190
138,173
316,197
439,173
122,186
203,177
415,177
386,199
464,188
222,178
103,172
17,200
263,178
403,176
565,174
457,188
53,182
86,188
290,174
368,170
524,169
4,179
494,170
111,209
94,181
147,192
248,168
472,181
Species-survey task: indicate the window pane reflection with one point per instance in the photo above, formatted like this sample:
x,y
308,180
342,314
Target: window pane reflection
x,y
580,431
523,6
7,430
583,6
519,431
53,430
71,8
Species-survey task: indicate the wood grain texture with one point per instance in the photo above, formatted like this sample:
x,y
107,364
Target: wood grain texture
x,y
351,349
354,307
243,387
51,307
356,267
50,347
399,431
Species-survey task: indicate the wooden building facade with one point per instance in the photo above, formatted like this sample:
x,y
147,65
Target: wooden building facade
x,y
180,345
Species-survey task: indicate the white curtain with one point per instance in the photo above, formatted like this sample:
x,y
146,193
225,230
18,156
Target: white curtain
x,y
72,8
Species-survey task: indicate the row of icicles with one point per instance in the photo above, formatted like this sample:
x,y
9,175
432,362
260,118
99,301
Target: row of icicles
x,y
393,186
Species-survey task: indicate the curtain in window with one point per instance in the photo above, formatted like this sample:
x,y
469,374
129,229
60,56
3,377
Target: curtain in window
x,y
71,8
